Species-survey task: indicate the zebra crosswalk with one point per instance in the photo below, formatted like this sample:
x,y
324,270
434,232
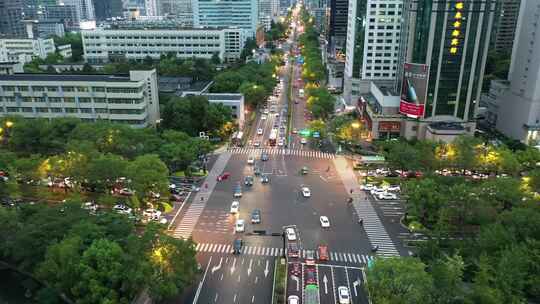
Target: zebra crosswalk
x,y
282,151
346,257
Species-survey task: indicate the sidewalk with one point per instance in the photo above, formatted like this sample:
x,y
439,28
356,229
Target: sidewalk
x,y
372,224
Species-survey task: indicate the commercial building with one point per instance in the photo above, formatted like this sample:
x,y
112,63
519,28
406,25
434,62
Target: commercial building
x,y
44,28
265,13
24,50
519,107
443,53
105,9
504,26
373,40
11,14
137,42
181,10
337,29
243,14
69,14
85,8
125,99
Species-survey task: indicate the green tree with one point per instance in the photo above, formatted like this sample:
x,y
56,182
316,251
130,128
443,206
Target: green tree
x,y
399,280
466,152
148,173
447,276
105,169
253,94
75,40
320,103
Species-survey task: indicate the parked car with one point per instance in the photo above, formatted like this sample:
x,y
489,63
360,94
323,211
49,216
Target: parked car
x,y
240,226
291,234
344,295
325,223
248,180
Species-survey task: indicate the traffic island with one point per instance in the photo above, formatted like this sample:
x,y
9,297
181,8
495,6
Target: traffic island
x,y
280,282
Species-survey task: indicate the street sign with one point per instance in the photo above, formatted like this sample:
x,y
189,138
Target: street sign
x,y
316,134
305,132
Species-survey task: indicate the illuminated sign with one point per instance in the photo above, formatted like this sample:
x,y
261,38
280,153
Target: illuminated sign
x,y
455,41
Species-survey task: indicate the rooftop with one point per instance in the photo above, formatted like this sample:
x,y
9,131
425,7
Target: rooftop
x,y
64,77
224,96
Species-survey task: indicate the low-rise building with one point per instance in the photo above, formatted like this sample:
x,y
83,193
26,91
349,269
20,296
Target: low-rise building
x,y
131,99
24,50
10,68
134,43
65,50
234,101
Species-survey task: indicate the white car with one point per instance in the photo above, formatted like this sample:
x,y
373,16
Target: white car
x,y
152,213
265,111
263,117
303,141
325,223
293,300
306,192
280,142
251,160
386,196
367,187
376,191
344,295
291,235
122,209
240,225
259,131
235,207
395,188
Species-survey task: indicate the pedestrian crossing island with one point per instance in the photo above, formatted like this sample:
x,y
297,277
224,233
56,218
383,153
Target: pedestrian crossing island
x,y
346,257
284,152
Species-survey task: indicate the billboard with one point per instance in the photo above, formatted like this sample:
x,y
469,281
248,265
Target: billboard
x,y
414,89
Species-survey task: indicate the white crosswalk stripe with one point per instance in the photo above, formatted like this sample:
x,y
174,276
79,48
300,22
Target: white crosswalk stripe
x,y
343,257
279,151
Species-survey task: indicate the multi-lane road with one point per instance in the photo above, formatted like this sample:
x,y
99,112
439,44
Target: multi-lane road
x,y
248,277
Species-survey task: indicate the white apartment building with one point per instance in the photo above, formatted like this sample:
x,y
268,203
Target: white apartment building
x,y
129,99
104,45
24,50
243,14
373,40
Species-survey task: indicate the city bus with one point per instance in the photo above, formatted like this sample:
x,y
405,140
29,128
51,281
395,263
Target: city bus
x,y
273,137
237,138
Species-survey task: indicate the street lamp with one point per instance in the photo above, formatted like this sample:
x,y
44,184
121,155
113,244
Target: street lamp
x,y
355,125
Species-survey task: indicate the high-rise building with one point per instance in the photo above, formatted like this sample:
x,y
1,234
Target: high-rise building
x,y
284,5
337,30
444,47
504,26
243,14
265,13
519,108
11,15
68,14
85,7
373,40
181,10
107,8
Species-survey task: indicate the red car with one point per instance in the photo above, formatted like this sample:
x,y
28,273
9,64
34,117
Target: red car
x,y
296,268
323,252
223,176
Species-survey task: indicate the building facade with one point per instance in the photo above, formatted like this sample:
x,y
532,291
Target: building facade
x,y
265,13
129,99
181,10
450,41
44,28
243,14
105,45
504,26
373,40
24,50
105,9
85,8
68,14
337,29
519,108
11,15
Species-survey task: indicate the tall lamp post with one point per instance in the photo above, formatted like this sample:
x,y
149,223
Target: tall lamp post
x,y
5,130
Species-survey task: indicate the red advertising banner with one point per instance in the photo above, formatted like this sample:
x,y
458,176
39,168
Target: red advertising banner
x,y
411,108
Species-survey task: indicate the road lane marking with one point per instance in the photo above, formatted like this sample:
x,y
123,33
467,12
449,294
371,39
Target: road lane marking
x,y
215,298
249,268
233,267
252,299
256,280
234,298
197,294
218,267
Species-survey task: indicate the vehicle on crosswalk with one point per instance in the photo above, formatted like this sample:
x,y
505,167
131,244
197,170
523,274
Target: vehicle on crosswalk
x,y
273,137
264,156
325,222
248,180
256,216
235,207
251,160
257,144
311,277
265,179
310,258
237,246
281,142
323,252
240,225
305,191
344,295
291,234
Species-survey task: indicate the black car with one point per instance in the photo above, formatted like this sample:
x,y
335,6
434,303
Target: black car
x,y
264,156
257,171
237,246
248,180
265,179
256,216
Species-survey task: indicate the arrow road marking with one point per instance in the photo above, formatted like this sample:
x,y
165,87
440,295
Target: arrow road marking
x,y
233,267
249,268
355,284
296,279
266,271
218,267
325,281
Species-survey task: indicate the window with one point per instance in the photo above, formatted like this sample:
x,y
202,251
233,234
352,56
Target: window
x,y
9,99
101,110
27,110
71,110
55,99
84,100
56,110
68,89
8,88
100,100
39,99
69,99
82,89
13,109
86,110
38,89
27,99
22,88
42,110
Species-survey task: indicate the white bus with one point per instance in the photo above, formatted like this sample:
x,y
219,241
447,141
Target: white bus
x,y
272,138
237,138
